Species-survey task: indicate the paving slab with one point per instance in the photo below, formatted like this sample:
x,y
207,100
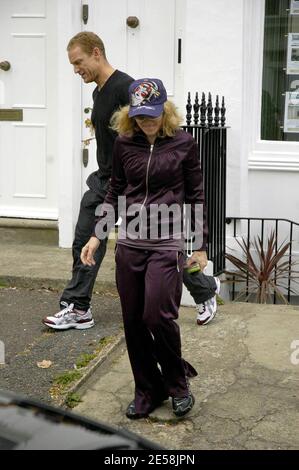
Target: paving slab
x,y
246,390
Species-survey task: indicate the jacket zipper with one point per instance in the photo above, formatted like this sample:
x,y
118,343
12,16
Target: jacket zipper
x,y
146,177
146,183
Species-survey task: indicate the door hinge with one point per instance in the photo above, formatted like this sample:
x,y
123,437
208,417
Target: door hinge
x,y
85,157
85,13
179,51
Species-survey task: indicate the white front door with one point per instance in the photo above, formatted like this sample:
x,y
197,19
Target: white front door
x,y
149,50
28,149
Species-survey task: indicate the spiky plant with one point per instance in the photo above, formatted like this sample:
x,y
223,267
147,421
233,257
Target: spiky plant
x,y
265,276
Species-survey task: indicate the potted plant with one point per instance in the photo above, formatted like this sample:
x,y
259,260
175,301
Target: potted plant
x,y
263,270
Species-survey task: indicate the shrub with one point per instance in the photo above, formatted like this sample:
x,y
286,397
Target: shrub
x,y
266,276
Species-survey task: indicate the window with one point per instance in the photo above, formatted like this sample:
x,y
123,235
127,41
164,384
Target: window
x,y
280,86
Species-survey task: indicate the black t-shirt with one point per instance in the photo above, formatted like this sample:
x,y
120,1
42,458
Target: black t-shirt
x,y
113,95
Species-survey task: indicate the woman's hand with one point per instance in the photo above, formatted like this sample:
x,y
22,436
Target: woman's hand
x,y
198,257
88,251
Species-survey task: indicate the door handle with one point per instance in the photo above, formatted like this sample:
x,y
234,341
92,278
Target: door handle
x,y
5,65
132,21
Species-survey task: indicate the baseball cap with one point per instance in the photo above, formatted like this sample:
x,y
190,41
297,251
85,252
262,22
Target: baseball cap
x,y
147,97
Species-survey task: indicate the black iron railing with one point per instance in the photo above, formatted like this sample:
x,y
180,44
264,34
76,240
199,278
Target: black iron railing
x,y
284,231
207,125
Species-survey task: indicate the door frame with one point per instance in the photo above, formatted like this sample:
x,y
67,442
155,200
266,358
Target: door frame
x,y
68,124
69,115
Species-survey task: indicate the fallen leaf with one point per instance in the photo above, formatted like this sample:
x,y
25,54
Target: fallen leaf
x,y
44,364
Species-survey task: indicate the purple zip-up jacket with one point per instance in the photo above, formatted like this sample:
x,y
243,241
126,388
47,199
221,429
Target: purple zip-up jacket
x,y
166,173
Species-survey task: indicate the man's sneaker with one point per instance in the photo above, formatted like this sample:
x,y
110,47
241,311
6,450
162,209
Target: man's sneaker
x,y
182,406
207,310
69,317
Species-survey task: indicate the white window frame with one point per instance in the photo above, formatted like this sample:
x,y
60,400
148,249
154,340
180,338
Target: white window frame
x,y
262,154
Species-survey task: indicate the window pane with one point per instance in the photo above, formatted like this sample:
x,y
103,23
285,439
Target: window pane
x,y
280,87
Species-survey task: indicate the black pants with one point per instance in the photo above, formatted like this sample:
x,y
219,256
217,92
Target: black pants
x,y
80,287
150,286
200,286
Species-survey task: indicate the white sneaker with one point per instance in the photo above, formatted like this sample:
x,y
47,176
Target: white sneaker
x,y
206,311
70,318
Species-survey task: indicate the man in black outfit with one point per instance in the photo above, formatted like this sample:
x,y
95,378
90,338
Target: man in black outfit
x,y
86,53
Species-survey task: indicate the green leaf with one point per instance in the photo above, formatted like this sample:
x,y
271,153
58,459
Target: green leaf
x,y
263,277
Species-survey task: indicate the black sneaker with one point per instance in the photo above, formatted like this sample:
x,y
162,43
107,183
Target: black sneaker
x,y
132,414
182,405
131,410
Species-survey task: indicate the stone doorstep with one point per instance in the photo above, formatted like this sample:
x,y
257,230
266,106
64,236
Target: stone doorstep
x,y
7,222
24,231
34,231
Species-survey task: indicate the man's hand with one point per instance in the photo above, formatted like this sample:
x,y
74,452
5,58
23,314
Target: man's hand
x,y
88,251
198,257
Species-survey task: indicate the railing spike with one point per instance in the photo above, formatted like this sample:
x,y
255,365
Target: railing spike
x,y
196,109
203,110
189,109
210,111
216,111
223,111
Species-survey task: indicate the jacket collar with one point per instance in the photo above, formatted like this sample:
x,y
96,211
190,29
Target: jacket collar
x,y
139,136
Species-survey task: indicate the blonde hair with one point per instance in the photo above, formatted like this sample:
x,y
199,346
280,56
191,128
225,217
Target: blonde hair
x,y
124,125
87,41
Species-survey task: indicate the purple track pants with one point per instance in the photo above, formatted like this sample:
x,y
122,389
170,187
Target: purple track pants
x,y
150,287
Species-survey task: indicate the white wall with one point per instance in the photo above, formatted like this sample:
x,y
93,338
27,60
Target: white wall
x,y
274,194
213,56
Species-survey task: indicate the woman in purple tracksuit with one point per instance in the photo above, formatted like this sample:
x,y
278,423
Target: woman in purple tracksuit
x,y
155,171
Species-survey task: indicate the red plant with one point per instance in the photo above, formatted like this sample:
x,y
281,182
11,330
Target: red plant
x,y
265,276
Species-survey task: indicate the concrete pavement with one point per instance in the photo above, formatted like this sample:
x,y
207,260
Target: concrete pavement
x,y
247,358
33,272
46,266
45,364
246,390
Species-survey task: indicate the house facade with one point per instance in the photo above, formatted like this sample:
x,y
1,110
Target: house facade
x,y
244,50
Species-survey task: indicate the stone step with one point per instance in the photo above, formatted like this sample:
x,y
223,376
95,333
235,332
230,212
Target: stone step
x,y
32,231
